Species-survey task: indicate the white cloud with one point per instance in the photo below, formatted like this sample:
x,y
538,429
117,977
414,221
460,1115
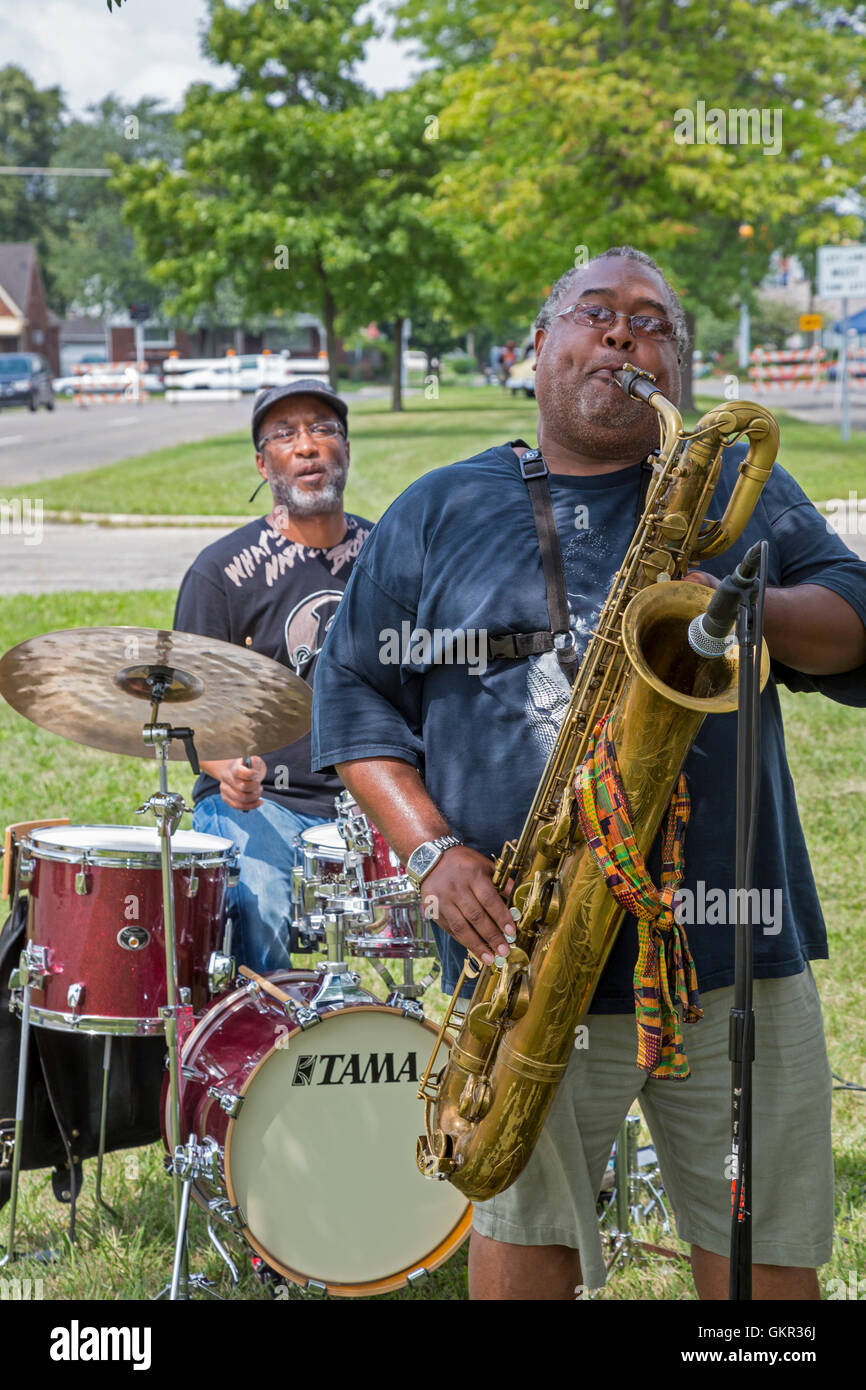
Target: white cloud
x,y
147,48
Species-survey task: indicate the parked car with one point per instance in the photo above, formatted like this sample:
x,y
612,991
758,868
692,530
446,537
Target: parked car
x,y
522,376
248,372
25,380
100,379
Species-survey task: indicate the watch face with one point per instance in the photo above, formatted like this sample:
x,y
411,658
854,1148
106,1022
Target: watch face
x,y
422,859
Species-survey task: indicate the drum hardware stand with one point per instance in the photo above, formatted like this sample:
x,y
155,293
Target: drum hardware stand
x,y
630,1183
408,995
167,808
187,1163
222,1251
103,1117
339,984
21,977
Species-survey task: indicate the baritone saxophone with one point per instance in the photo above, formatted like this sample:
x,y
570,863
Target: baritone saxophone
x,y
486,1107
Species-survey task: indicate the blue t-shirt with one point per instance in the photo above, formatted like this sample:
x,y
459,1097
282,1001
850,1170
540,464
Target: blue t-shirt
x,y
457,555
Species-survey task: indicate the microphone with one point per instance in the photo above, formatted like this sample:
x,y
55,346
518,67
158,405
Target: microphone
x,y
709,633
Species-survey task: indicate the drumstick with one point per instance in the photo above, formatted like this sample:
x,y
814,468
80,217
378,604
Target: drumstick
x,y
265,985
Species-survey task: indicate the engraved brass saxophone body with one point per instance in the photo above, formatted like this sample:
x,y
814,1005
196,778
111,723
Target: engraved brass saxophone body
x,y
485,1109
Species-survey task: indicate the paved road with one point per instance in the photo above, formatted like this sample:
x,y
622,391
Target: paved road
x,y
130,558
73,438
100,557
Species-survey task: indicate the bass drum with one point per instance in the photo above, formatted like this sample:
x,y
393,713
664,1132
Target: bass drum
x,y
309,1134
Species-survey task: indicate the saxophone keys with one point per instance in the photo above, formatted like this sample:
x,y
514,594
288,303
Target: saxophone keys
x,y
475,1098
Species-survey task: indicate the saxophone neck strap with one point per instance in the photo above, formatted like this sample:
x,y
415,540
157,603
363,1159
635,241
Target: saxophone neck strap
x,y
559,638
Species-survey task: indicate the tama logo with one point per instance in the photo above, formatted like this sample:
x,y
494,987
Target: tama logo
x,y
353,1068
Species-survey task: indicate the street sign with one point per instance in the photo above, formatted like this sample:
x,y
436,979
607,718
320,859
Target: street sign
x,y
811,323
139,313
841,271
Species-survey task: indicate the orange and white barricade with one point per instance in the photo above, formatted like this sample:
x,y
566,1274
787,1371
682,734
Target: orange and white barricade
x,y
109,383
805,368
857,366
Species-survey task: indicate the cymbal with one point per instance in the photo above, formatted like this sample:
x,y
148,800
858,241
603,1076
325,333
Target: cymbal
x,y
91,684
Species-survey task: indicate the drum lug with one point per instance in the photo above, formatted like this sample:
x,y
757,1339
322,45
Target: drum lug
x,y
316,1288
190,887
74,995
26,870
220,972
305,1018
410,1008
82,882
228,1101
230,1216
417,1276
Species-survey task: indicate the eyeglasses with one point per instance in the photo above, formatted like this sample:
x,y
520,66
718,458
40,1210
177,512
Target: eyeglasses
x,y
599,316
319,429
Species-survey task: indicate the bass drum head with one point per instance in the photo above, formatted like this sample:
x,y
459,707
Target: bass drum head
x,y
321,1157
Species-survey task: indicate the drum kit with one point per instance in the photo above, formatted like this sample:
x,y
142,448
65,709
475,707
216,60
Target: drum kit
x,y
289,1110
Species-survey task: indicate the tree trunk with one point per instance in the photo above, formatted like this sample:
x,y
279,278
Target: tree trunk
x,y
397,372
329,314
687,400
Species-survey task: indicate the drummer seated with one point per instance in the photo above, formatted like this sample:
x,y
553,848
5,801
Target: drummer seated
x,y
273,586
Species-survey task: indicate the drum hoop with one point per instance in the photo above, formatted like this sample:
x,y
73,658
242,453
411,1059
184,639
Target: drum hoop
x,y
127,859
431,1260
90,1023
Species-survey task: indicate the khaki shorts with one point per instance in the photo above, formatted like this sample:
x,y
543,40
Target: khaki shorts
x,y
553,1202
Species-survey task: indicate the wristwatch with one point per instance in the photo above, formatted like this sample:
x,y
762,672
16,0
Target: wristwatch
x,y
426,857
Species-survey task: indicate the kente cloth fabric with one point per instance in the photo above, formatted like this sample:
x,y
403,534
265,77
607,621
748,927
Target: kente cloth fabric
x,y
664,970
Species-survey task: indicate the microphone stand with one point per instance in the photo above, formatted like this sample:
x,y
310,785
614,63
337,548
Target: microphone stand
x,y
741,1044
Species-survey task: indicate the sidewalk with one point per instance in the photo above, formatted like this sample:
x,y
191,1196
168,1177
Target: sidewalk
x,y
99,557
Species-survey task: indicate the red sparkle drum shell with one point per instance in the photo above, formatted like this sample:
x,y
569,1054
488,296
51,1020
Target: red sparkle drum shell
x,y
319,1157
109,939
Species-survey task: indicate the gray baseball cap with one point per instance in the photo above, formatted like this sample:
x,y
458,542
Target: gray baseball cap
x,y
304,386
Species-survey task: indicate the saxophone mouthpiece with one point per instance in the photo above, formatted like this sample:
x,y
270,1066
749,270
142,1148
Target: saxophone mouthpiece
x,y
635,382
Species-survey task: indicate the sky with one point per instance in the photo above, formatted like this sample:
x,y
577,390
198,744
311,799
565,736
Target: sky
x,y
146,48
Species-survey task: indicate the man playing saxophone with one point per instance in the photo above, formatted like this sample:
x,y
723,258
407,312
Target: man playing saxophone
x,y
445,756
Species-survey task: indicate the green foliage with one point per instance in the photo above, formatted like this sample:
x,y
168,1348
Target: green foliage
x,y
570,117
29,131
773,322
299,188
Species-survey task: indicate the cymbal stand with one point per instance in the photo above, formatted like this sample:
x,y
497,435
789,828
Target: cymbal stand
x,y
168,808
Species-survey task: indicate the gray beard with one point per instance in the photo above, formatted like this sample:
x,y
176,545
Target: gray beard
x,y
298,501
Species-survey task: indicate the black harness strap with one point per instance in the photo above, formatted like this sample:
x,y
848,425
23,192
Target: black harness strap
x,y
560,638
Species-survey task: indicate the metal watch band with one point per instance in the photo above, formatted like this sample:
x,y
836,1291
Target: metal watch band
x,y
440,844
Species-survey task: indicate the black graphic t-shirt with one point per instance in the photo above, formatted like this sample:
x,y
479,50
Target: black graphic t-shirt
x,y
272,595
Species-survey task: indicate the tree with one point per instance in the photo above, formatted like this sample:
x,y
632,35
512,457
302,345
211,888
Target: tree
x,y
299,187
576,116
29,132
92,255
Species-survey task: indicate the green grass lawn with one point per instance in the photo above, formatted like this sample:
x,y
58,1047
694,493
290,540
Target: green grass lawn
x,y
216,477
45,775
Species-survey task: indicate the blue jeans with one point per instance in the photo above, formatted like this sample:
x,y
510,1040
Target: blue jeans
x,y
260,905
